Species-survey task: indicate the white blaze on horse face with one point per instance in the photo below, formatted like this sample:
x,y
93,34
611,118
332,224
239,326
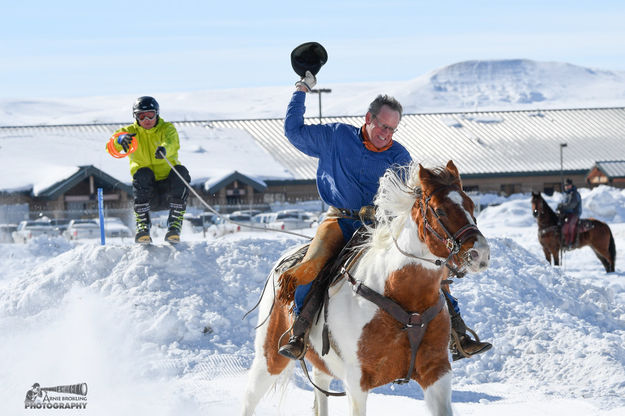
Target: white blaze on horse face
x,y
455,196
479,254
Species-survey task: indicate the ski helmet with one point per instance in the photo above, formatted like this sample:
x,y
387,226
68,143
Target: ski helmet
x,y
144,103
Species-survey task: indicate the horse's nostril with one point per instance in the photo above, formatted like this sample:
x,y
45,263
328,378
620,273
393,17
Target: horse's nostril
x,y
474,255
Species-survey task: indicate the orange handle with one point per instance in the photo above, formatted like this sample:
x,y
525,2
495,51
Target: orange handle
x,y
110,146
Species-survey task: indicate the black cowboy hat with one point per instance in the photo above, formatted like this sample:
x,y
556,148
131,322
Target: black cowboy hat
x,y
309,56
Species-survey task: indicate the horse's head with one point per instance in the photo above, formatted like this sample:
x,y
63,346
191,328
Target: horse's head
x,y
444,215
537,204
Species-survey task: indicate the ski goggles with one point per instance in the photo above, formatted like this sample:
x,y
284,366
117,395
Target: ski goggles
x,y
146,115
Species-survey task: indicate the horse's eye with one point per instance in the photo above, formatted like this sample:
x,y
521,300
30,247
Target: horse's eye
x,y
439,212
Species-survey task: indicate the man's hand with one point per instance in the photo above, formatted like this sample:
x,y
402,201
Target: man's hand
x,y
309,81
160,152
125,140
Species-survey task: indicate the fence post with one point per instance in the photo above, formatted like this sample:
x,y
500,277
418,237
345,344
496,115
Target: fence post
x,y
101,212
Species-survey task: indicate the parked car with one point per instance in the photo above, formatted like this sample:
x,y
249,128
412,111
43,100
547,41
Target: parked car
x,y
29,229
264,219
220,226
114,227
250,212
292,219
77,229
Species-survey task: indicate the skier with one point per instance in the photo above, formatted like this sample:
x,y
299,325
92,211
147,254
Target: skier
x,y
153,180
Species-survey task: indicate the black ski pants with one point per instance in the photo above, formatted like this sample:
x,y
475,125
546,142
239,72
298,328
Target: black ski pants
x,y
160,193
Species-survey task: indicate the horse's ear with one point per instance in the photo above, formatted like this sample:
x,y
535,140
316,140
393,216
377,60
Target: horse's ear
x,y
451,167
424,173
535,193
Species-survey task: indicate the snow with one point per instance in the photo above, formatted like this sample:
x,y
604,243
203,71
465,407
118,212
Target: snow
x,y
159,330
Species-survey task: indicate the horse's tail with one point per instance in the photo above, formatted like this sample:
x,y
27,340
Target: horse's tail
x,y
612,250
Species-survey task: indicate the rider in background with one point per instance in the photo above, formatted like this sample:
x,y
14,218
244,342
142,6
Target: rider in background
x,y
570,210
351,162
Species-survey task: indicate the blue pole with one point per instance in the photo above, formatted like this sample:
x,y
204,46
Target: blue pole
x,y
101,211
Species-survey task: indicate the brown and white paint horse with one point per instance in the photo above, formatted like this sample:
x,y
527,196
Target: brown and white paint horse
x,y
425,222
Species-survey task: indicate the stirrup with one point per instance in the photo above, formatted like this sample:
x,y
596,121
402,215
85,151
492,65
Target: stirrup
x,y
293,350
459,353
290,349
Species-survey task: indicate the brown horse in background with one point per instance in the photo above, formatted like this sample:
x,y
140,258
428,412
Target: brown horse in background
x,y
589,232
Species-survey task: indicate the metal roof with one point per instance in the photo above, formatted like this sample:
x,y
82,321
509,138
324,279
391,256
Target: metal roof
x,y
612,168
488,143
480,143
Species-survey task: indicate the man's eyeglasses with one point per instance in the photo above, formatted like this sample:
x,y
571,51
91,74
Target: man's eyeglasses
x,y
146,115
383,126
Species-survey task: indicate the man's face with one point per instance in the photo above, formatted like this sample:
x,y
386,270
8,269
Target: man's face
x,y
381,127
147,119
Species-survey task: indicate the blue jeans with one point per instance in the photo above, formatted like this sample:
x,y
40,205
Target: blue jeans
x,y
348,228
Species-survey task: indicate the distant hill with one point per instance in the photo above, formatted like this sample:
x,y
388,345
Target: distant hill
x,y
513,84
470,85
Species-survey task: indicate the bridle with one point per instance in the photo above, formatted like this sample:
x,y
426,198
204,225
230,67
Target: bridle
x,y
453,242
536,212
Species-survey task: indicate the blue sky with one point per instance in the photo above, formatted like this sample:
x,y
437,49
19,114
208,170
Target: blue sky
x,y
82,48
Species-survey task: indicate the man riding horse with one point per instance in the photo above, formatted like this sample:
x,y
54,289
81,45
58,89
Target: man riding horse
x,y
351,162
570,210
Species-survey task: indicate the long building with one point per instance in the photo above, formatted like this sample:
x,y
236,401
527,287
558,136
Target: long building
x,y
497,151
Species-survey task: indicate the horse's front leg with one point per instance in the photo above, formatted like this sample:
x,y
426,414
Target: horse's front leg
x,y
556,256
547,254
356,396
438,396
322,380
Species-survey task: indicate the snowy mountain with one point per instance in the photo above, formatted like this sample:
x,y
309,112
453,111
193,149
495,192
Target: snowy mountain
x,y
501,85
518,84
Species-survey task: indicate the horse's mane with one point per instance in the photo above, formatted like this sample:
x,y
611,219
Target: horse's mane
x,y
399,189
553,217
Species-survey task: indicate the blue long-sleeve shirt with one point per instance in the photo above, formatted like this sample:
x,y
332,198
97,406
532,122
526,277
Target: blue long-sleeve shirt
x,y
348,173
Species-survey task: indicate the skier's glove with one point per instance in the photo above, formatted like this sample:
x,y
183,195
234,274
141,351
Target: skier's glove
x,y
309,81
160,152
125,140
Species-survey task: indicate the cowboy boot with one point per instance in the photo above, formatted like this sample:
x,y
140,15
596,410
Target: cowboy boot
x,y
296,348
461,344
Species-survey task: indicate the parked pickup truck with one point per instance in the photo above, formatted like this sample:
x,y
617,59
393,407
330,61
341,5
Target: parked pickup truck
x,y
293,219
82,229
29,229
